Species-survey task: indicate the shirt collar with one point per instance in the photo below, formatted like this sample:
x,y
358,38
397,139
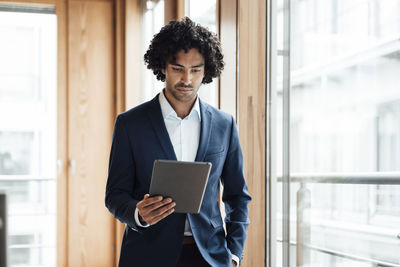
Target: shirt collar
x,y
167,109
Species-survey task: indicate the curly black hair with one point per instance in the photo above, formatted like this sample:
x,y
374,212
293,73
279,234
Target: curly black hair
x,y
184,35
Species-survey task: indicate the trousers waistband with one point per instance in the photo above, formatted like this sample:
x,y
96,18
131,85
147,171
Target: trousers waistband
x,y
187,240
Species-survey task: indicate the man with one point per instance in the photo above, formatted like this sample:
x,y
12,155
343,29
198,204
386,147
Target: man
x,y
177,125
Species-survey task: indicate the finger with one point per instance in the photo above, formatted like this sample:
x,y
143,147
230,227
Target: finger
x,y
157,208
147,207
158,205
149,217
160,211
158,218
146,196
148,201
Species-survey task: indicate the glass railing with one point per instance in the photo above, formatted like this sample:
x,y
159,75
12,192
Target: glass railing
x,y
363,235
31,219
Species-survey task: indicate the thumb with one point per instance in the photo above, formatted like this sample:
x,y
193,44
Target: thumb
x,y
146,196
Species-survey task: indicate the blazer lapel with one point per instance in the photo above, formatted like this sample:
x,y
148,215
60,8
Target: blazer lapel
x,y
205,129
158,124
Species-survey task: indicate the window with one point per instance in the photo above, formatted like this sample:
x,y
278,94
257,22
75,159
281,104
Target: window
x,y
338,115
205,13
153,21
20,252
16,153
28,90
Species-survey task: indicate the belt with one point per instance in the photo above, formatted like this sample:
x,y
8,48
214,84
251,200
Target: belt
x,y
187,240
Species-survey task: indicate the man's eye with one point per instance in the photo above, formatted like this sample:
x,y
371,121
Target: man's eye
x,y
195,70
176,69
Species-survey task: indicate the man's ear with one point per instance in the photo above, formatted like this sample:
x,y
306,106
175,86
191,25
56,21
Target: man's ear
x,y
163,71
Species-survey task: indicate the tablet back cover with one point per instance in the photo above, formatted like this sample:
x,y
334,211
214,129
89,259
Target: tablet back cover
x,y
184,182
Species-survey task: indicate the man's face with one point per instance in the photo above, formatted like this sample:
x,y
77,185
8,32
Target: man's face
x,y
184,75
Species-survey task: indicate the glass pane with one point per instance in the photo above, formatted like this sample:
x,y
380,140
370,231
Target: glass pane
x,y
32,256
344,131
16,153
153,20
205,13
18,82
280,11
28,102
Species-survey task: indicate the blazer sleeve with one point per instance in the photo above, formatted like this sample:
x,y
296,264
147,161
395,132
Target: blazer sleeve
x,y
121,177
235,195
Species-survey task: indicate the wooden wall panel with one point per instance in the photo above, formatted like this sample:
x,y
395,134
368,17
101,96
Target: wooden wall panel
x,y
129,60
180,9
91,118
120,55
228,37
173,10
251,120
170,8
62,126
120,18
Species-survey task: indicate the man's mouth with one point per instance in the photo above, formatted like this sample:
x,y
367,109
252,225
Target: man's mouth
x,y
184,88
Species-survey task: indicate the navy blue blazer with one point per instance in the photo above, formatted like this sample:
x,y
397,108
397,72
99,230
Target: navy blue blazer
x,y
139,138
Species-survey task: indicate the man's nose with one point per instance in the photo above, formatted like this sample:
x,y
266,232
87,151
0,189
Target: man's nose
x,y
186,77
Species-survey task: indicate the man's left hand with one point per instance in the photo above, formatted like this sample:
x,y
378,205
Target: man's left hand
x,y
234,263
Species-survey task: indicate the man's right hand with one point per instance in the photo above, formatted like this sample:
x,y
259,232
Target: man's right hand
x,y
153,209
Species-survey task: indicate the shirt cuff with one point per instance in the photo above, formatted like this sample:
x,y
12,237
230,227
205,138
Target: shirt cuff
x,y
235,259
138,221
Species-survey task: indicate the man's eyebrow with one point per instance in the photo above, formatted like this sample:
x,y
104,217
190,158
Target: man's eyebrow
x,y
198,66
195,66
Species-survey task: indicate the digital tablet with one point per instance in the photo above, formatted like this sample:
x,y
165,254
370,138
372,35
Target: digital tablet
x,y
185,182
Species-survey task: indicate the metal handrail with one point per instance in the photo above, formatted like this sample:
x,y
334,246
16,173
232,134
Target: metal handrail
x,y
34,246
25,178
372,178
346,255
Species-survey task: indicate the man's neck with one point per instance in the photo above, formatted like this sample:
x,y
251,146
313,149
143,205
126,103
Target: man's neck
x,y
182,109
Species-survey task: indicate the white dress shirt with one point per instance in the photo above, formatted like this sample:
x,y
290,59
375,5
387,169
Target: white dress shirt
x,y
185,136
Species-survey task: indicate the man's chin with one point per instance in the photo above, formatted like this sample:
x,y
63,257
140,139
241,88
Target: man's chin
x,y
185,99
